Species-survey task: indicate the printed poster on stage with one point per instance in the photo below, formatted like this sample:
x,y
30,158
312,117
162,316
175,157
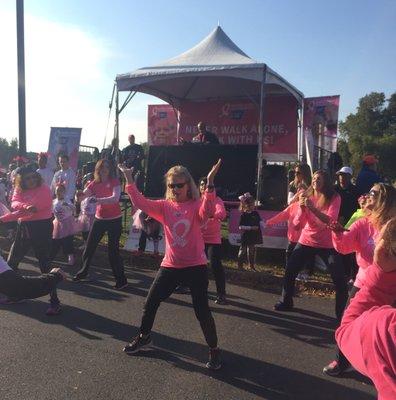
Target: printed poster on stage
x,y
320,124
162,125
64,141
233,122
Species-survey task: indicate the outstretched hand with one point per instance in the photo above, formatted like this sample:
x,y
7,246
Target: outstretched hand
x,y
128,172
213,172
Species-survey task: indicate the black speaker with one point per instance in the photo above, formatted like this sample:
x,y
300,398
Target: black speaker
x,y
273,193
237,174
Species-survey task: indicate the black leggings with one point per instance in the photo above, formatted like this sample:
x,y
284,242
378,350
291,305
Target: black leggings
x,y
213,252
66,243
38,235
113,227
331,258
19,287
165,282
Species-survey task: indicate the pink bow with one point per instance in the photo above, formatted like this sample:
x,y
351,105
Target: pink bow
x,y
245,197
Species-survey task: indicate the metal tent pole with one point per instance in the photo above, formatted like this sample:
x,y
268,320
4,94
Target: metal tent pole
x,y
261,134
21,77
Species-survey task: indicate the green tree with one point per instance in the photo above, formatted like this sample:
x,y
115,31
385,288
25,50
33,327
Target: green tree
x,y
372,129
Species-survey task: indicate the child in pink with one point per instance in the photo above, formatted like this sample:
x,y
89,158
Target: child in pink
x,y
181,213
64,225
87,213
367,334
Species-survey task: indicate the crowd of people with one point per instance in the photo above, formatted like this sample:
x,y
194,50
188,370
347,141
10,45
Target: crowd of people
x,y
349,228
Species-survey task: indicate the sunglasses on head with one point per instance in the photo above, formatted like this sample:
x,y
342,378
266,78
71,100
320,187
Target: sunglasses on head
x,y
176,185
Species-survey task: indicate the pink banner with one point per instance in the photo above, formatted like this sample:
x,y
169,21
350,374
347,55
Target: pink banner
x,y
321,120
274,237
234,122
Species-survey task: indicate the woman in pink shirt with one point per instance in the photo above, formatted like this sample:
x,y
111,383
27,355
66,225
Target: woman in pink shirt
x,y
211,232
319,205
360,238
367,334
181,213
106,190
32,206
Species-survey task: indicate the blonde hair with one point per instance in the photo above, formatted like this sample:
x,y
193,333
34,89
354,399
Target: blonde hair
x,y
389,237
181,172
385,205
247,205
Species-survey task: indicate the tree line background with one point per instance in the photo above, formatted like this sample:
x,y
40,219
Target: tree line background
x,y
370,130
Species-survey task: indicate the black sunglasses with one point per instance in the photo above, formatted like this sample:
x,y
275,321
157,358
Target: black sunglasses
x,y
176,185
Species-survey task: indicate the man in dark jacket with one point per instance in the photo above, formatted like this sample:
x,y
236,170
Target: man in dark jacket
x,y
204,136
348,193
367,175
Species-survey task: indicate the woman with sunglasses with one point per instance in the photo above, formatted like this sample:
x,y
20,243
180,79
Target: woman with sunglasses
x,y
319,205
105,190
181,213
302,181
360,238
32,203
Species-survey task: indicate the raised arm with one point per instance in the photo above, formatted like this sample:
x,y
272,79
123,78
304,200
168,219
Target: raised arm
x,y
280,217
347,241
207,207
154,208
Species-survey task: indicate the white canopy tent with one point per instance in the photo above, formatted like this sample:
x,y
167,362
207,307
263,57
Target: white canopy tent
x,y
216,68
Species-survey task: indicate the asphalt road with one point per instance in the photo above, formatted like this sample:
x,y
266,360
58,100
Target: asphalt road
x,y
78,355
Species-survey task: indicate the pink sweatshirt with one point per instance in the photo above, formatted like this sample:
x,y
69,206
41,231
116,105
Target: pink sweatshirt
x,y
367,334
184,245
360,239
294,223
315,233
39,197
211,229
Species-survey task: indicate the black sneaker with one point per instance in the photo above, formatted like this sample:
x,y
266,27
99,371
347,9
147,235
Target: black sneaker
x,y
121,285
138,343
214,362
333,369
221,300
281,306
80,278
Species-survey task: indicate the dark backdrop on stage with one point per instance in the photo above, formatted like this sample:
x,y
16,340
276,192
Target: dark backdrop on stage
x,y
237,174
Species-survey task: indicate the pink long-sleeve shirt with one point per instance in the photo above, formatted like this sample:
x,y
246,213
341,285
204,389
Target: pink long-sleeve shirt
x,y
211,228
315,233
360,239
184,245
295,221
367,334
39,197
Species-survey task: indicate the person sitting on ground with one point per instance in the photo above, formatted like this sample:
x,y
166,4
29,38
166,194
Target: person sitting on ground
x,y
204,136
18,287
368,174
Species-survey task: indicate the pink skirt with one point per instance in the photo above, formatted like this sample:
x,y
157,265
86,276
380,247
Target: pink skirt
x,y
64,228
84,222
